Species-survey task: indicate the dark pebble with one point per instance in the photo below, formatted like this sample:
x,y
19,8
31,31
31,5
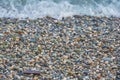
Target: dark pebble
x,y
86,73
118,72
31,72
20,73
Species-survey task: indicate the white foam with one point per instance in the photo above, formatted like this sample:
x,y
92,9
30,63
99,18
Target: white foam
x,y
37,9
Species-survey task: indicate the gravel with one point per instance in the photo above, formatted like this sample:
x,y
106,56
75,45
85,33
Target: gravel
x,y
73,48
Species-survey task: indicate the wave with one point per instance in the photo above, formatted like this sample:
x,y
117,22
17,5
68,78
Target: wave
x,y
58,8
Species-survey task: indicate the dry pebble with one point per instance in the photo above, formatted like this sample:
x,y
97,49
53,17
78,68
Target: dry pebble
x,y
73,48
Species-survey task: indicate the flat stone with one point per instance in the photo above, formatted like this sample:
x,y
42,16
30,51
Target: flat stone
x,y
107,59
32,40
31,72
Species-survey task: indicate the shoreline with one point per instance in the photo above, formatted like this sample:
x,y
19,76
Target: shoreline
x,y
78,47
73,16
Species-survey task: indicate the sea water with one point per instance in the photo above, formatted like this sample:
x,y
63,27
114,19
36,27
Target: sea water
x,y
58,8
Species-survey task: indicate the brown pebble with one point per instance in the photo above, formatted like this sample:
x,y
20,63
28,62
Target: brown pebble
x,y
77,39
6,33
99,76
17,39
39,48
1,75
111,49
19,32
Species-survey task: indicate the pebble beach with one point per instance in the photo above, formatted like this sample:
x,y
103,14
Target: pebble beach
x,y
71,48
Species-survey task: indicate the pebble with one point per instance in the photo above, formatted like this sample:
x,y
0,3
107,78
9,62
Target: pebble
x,y
17,39
1,34
32,40
107,59
31,72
